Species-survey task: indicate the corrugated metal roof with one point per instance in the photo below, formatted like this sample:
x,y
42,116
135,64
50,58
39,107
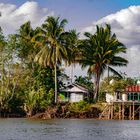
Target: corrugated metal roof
x,y
133,88
69,87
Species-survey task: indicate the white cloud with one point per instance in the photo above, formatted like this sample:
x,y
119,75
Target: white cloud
x,y
126,24
13,16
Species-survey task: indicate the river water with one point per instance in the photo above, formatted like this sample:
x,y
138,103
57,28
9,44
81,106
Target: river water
x,y
68,129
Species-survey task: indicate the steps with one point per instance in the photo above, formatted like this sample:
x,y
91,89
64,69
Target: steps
x,y
135,113
106,113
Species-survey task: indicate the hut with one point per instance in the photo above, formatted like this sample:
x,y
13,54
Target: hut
x,y
73,93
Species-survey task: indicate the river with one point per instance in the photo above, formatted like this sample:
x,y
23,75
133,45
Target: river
x,y
68,129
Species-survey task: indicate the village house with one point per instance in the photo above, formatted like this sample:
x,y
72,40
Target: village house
x,y
131,93
73,93
123,104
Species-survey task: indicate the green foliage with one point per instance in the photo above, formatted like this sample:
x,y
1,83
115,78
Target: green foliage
x,y
43,76
84,81
118,84
100,50
27,86
50,97
79,106
102,97
33,98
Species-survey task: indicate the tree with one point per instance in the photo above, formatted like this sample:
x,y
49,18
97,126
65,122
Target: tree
x,y
72,48
24,44
72,39
8,76
52,42
99,51
84,81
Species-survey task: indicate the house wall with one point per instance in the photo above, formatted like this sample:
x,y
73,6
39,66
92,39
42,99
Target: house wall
x,y
75,94
76,97
124,97
116,96
109,97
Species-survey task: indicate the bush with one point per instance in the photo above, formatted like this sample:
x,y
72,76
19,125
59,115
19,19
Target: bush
x,y
79,107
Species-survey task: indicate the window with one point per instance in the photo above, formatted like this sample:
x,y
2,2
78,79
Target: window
x,y
135,96
118,94
129,96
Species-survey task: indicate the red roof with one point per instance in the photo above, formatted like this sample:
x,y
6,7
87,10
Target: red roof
x,y
134,88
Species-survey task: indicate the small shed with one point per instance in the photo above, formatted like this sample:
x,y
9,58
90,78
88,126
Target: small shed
x,y
73,93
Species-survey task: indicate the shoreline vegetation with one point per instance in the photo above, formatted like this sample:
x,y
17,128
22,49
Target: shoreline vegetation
x,y
32,72
70,111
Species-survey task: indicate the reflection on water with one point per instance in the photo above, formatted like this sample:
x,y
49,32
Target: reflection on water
x,y
68,129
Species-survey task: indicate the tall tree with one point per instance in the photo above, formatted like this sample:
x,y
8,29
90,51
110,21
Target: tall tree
x,y
99,51
25,42
52,42
72,39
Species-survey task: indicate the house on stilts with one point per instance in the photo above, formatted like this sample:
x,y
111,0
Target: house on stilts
x,y
123,104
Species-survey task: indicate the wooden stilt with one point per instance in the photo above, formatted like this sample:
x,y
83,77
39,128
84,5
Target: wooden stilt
x,y
133,111
120,112
123,111
139,114
112,110
130,112
109,112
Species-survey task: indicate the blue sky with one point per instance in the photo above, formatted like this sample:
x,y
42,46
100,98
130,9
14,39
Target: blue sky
x,y
82,15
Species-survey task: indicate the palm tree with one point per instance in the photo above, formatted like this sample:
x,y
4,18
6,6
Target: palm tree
x,y
100,51
53,50
73,41
26,37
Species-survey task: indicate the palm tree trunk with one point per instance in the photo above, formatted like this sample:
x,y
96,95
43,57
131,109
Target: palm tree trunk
x,y
96,90
71,73
55,75
55,83
108,74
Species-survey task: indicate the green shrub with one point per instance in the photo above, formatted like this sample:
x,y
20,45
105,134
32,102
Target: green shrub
x,y
79,106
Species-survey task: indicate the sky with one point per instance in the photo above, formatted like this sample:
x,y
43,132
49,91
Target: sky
x,y
82,15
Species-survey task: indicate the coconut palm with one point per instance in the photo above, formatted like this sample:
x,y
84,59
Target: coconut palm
x,y
73,41
25,37
53,50
100,51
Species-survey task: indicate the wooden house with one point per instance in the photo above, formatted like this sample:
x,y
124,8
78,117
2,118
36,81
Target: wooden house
x,y
73,93
131,93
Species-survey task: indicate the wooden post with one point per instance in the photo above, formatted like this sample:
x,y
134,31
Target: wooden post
x,y
112,109
120,112
130,112
133,111
109,112
139,113
123,111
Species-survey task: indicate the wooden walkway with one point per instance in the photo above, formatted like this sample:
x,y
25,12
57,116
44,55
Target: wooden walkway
x,y
129,110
